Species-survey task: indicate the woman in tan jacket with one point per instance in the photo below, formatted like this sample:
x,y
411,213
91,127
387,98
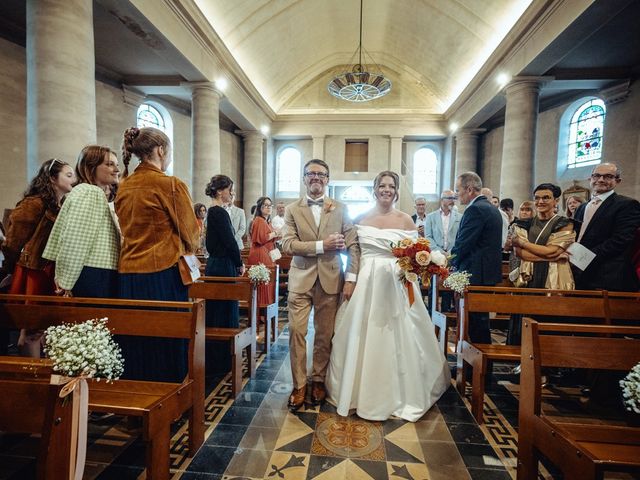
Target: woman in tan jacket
x,y
28,230
158,225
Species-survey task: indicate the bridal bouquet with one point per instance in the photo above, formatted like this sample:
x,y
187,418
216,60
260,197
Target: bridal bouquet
x,y
259,274
418,262
631,389
84,349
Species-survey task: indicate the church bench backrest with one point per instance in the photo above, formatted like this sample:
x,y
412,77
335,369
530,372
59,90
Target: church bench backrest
x,y
227,288
145,318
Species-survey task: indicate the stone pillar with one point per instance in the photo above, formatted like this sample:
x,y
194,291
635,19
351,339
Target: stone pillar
x,y
318,148
205,136
61,89
395,165
253,172
519,144
467,150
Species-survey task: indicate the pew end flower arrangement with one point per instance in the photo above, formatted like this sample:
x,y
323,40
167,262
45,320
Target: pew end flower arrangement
x,y
84,349
80,351
418,262
457,281
259,274
631,390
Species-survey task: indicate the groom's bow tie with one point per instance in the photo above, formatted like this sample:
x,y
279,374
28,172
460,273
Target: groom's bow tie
x,y
319,202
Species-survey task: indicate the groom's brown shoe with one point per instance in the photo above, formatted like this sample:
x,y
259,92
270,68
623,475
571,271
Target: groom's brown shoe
x,y
296,399
318,393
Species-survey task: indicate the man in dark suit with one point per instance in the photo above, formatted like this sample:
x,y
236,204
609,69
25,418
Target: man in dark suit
x,y
478,245
606,225
419,218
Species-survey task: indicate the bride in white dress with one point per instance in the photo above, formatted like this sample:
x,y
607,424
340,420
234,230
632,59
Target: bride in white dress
x,y
385,359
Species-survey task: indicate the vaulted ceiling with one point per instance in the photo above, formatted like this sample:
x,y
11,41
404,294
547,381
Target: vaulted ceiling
x,y
430,49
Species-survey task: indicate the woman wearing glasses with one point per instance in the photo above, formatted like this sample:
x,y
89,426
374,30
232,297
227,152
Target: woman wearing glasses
x,y
263,241
85,240
28,230
540,242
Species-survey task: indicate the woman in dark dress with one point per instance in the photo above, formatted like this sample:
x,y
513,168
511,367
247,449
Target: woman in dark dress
x,y
224,261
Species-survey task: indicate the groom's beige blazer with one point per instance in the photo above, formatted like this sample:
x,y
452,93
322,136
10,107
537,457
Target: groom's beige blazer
x,y
300,238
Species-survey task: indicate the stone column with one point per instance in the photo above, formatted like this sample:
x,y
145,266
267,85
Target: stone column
x,y
205,136
61,89
318,147
253,187
467,150
395,165
519,144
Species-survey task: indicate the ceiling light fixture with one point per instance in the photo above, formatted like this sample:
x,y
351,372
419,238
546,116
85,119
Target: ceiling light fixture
x,y
358,84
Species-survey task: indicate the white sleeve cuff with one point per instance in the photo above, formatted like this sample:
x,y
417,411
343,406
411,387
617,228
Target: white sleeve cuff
x,y
319,247
350,277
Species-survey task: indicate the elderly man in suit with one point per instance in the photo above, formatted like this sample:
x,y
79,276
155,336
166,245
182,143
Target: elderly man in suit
x,y
317,230
478,245
441,226
420,217
606,225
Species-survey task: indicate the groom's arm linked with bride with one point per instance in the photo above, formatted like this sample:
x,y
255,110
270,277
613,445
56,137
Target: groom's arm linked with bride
x,y
316,280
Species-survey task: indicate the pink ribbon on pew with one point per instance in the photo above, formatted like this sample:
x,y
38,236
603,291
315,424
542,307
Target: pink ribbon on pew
x,y
80,418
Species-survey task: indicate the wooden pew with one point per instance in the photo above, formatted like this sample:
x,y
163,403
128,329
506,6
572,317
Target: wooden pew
x,y
285,264
583,451
525,301
29,403
239,339
269,312
158,404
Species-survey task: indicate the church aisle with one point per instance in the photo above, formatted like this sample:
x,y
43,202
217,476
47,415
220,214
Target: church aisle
x,y
257,437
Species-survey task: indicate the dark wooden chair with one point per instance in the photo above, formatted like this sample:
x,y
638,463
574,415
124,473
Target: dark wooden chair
x,y
239,339
158,404
30,403
583,450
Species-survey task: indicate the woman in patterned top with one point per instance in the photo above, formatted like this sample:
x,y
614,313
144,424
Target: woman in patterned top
x,y
85,240
28,230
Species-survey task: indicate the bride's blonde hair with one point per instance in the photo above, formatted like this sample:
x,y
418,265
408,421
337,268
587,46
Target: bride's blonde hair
x,y
387,173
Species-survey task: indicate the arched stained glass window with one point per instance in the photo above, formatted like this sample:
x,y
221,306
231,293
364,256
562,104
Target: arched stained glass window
x,y
289,173
149,116
425,171
585,134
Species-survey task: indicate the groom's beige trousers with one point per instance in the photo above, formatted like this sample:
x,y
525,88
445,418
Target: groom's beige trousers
x,y
325,306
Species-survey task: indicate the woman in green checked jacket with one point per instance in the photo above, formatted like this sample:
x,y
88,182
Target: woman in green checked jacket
x,y
85,240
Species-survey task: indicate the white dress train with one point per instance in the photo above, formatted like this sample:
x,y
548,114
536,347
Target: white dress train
x,y
385,358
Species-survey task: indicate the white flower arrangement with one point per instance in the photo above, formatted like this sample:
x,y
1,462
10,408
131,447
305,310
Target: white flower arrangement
x,y
84,349
259,274
457,281
631,389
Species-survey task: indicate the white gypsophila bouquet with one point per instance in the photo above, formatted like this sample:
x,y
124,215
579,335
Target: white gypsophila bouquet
x,y
457,281
631,389
259,273
85,348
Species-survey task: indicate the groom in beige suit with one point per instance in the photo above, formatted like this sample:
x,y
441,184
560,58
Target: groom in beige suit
x,y
317,229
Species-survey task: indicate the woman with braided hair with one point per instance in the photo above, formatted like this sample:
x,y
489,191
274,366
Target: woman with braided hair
x,y
158,225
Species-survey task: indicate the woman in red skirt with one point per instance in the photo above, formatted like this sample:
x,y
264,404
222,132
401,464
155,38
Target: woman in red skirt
x,y
27,233
263,241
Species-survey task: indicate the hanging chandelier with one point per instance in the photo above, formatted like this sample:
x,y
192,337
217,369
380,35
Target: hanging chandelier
x,y
359,83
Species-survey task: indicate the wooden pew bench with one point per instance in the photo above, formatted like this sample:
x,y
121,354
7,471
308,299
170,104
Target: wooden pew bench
x,y
158,404
443,321
582,449
239,339
524,301
29,403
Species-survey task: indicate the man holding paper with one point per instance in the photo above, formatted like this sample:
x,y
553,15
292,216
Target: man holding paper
x,y
606,226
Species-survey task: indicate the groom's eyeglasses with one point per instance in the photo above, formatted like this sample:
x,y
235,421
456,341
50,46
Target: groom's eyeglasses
x,y
321,175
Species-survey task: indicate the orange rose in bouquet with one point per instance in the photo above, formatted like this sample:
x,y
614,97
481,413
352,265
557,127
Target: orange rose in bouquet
x,y
418,262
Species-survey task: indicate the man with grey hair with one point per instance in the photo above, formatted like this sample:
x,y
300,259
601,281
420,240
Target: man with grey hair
x,y
495,201
477,248
606,226
420,217
441,226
